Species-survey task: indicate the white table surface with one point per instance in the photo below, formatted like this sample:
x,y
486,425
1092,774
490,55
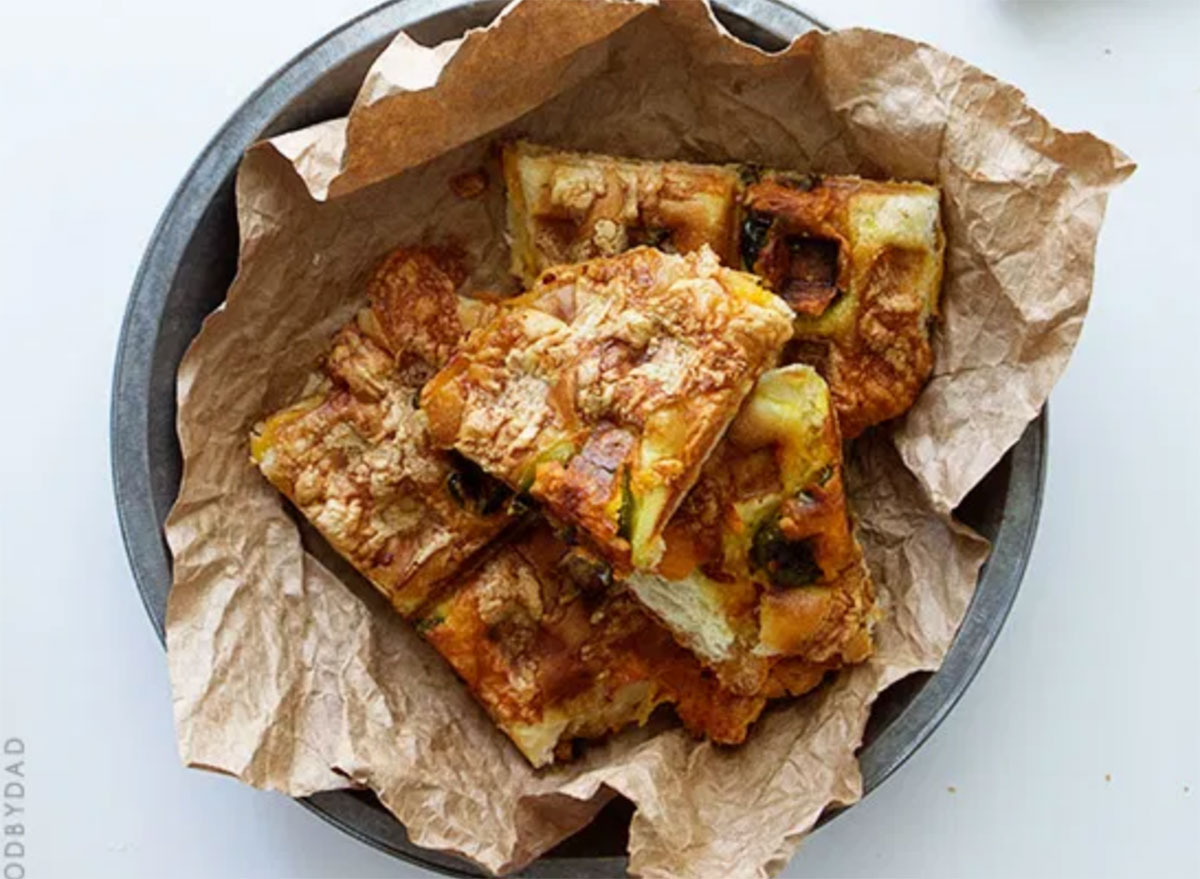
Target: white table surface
x,y
1075,752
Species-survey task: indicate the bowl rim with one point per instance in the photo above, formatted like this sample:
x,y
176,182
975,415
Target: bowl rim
x,y
140,520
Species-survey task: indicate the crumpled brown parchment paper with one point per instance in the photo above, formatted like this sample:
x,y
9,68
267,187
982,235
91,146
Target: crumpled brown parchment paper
x,y
293,678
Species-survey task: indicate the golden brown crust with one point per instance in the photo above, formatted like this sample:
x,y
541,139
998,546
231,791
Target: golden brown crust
x,y
761,563
569,207
413,297
354,457
828,623
860,262
604,393
795,677
556,653
603,389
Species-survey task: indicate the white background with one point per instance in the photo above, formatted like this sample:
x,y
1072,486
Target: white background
x,y
1075,753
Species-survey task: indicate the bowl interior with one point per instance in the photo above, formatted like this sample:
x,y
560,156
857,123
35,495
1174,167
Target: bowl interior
x,y
189,266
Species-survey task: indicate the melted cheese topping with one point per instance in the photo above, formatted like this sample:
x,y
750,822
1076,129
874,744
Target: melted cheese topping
x,y
569,207
778,468
355,458
602,391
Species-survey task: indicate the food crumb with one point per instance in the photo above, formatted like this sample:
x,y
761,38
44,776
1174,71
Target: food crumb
x,y
1108,51
470,184
951,789
1107,776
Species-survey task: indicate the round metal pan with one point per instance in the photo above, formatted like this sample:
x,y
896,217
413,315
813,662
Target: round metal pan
x,y
190,263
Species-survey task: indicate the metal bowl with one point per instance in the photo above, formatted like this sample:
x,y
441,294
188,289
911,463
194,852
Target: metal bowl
x,y
190,263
